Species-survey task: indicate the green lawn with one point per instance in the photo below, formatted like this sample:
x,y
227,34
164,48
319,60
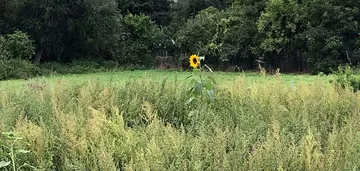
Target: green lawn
x,y
155,75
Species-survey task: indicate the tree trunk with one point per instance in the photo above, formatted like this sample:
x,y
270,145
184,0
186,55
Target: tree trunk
x,y
39,54
301,61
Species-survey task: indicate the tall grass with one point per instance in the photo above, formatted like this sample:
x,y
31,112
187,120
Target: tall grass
x,y
144,125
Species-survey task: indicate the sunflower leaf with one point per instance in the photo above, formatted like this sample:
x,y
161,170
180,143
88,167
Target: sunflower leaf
x,y
212,79
198,87
209,85
211,95
193,81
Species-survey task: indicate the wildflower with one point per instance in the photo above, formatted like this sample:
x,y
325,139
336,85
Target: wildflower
x,y
194,61
252,150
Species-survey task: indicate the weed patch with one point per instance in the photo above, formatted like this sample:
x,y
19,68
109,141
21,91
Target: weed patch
x,y
144,125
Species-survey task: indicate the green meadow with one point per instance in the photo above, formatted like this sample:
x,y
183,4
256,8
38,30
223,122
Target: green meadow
x,y
156,76
138,120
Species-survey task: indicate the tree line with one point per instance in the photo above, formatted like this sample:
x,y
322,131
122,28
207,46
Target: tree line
x,y
293,35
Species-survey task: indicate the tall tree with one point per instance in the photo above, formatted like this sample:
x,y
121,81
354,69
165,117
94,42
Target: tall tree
x,y
279,25
158,10
62,27
331,33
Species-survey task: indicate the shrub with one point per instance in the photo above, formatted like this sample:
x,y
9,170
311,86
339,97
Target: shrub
x,y
15,51
4,53
84,66
17,69
20,46
110,65
347,76
78,67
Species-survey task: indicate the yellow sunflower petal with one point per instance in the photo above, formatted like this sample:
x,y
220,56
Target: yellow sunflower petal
x,y
194,61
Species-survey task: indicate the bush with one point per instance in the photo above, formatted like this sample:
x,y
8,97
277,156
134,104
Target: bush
x,y
15,51
78,67
72,68
4,53
20,46
347,76
17,69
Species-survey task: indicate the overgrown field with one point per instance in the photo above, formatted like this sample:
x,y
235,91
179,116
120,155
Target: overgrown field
x,y
155,75
144,124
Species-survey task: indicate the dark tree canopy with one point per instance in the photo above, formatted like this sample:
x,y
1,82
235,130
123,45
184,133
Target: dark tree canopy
x,y
293,35
158,10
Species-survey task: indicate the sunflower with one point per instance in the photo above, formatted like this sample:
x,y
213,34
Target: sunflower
x,y
194,61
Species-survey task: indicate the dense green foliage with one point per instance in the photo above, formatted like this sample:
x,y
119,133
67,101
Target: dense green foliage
x,y
347,77
19,45
16,46
145,125
307,35
17,69
15,52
